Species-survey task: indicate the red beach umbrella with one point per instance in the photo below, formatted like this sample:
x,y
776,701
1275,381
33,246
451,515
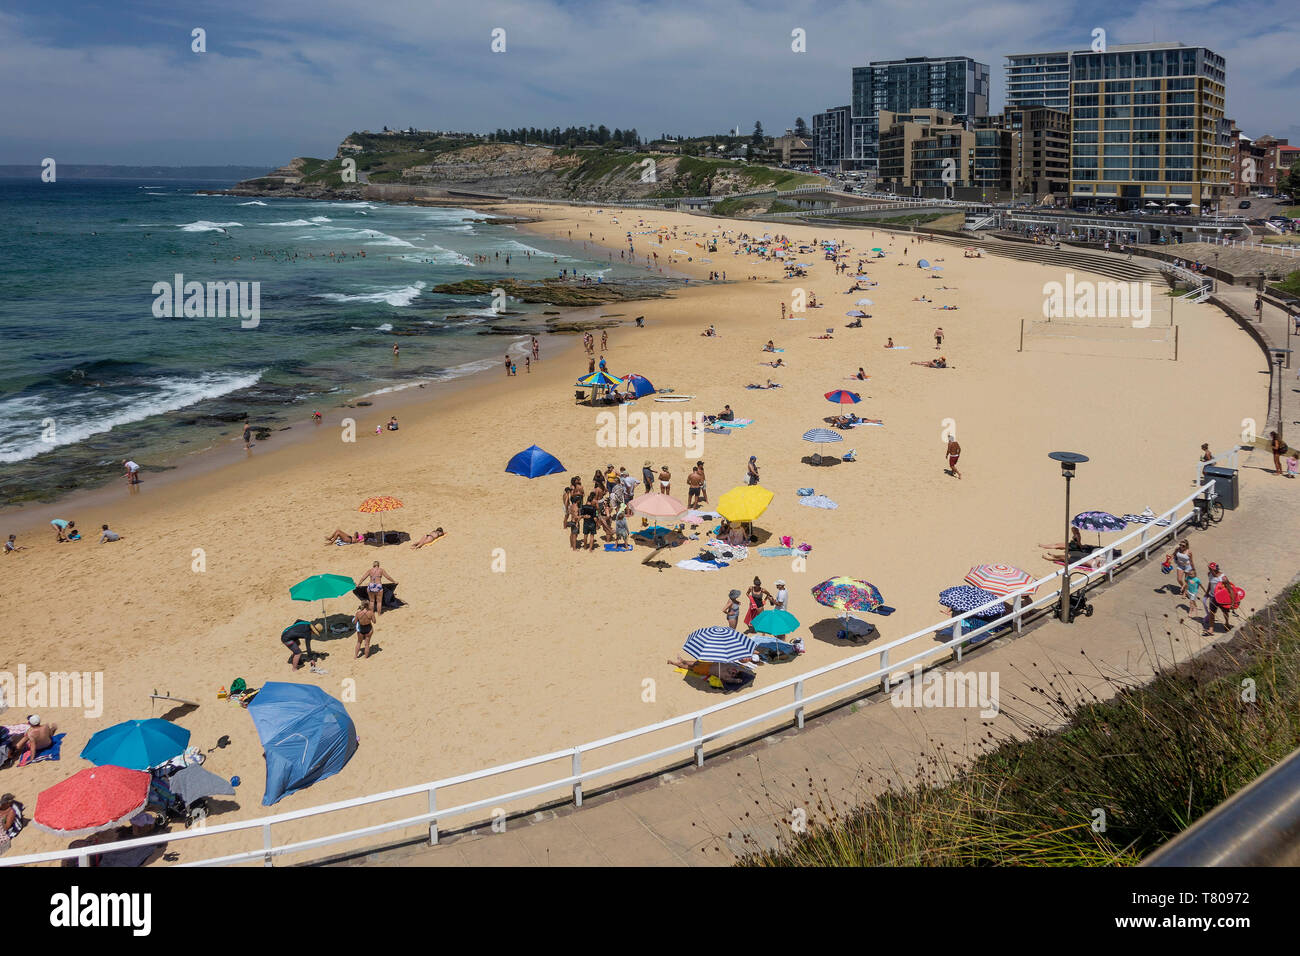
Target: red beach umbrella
x,y
95,799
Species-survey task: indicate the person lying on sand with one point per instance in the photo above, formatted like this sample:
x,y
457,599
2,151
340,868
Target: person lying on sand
x,y
921,298
779,363
769,347
770,384
37,737
429,538
846,421
342,537
946,308
855,324
940,362
824,336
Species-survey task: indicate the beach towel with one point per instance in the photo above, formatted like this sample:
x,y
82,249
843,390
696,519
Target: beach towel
x,y
726,552
738,423
755,608
818,501
899,348
860,424
777,552
618,547
695,564
49,753
1147,517
717,431
803,492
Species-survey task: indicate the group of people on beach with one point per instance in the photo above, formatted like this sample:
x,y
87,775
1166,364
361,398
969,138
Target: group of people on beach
x,y
604,510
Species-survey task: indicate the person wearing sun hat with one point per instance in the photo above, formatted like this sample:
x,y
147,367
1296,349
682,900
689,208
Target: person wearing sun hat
x,y
782,596
648,476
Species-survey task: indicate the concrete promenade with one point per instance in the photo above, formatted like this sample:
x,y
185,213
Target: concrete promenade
x,y
744,800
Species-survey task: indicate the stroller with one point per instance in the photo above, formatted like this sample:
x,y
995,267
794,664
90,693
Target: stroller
x,y
171,808
1079,604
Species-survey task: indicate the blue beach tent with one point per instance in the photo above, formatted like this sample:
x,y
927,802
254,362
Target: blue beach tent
x,y
640,385
533,462
307,736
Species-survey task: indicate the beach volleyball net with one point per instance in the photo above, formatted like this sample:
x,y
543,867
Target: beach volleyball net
x,y
1106,338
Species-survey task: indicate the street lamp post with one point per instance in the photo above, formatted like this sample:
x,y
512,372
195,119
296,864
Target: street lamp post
x,y
1279,356
1068,460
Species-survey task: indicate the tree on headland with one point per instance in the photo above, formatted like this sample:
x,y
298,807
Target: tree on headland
x,y
800,127
757,138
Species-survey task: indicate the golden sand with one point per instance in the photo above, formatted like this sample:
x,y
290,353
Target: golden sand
x,y
511,644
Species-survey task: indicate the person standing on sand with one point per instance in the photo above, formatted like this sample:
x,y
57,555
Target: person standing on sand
x,y
248,436
604,340
1277,446
372,578
364,620
1206,454
704,481
938,338
132,472
665,480
507,363
953,452
648,476
731,610
693,482
752,470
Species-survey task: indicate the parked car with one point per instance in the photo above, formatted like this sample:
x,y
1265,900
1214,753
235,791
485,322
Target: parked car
x,y
1244,204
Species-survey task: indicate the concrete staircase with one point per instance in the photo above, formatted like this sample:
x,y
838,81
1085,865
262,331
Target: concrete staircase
x,y
1111,266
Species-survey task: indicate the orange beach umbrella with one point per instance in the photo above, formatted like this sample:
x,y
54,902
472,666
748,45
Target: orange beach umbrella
x,y
377,506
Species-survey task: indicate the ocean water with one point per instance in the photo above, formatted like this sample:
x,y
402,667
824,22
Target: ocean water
x,y
92,375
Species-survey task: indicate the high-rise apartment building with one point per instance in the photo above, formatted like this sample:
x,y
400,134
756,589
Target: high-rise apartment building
x,y
957,85
1147,125
1040,162
830,136
1039,79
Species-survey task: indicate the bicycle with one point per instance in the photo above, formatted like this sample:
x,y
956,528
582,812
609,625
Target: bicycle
x,y
1208,509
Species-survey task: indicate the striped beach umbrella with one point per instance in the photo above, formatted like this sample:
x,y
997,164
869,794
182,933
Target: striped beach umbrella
x,y
964,597
599,379
822,436
843,396
848,594
719,644
999,578
377,506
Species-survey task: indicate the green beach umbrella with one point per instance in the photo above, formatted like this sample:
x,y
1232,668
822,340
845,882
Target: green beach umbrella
x,y
321,587
775,622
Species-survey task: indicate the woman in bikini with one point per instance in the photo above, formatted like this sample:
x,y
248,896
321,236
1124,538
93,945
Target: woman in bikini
x,y
364,620
373,579
665,480
429,538
343,537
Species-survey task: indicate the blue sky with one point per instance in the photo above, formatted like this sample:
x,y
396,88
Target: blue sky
x,y
107,83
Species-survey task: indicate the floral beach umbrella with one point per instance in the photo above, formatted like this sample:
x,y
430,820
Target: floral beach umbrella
x,y
848,594
999,578
963,598
1098,521
377,506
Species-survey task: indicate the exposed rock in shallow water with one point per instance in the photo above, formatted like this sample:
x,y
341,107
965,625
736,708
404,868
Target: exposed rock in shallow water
x,y
559,292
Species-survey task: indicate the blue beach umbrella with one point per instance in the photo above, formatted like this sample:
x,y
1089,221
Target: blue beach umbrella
x,y
306,735
533,462
923,263
718,644
136,744
822,436
967,597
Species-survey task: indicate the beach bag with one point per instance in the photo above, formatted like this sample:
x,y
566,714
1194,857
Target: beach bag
x,y
238,686
1168,565
1228,595
787,541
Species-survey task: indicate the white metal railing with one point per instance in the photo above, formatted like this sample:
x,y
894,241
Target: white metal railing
x,y
1277,249
889,671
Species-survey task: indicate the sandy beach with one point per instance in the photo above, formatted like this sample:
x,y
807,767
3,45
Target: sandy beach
x,y
511,644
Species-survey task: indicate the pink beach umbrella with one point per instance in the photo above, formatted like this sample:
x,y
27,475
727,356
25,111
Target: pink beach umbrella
x,y
656,505
999,578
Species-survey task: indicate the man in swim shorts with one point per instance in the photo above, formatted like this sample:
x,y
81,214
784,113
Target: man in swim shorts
x,y
953,452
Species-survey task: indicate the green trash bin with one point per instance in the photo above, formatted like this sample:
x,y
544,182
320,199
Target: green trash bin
x,y
1225,484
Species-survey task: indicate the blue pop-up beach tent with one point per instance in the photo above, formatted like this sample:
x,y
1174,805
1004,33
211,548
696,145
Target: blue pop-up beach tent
x,y
307,736
533,462
640,385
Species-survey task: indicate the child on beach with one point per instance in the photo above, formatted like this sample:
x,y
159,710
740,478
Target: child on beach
x,y
11,546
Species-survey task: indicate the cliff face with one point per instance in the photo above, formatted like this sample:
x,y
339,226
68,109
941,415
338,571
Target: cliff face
x,y
439,165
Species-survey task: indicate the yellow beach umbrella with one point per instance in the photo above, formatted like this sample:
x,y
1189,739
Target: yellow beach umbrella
x,y
744,503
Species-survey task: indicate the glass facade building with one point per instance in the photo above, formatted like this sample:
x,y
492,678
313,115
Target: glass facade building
x,y
956,85
1038,79
1147,125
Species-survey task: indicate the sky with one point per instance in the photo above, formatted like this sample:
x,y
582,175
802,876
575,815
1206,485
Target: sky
x,y
104,83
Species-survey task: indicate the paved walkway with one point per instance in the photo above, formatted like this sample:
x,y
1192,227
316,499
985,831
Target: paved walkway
x,y
744,800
